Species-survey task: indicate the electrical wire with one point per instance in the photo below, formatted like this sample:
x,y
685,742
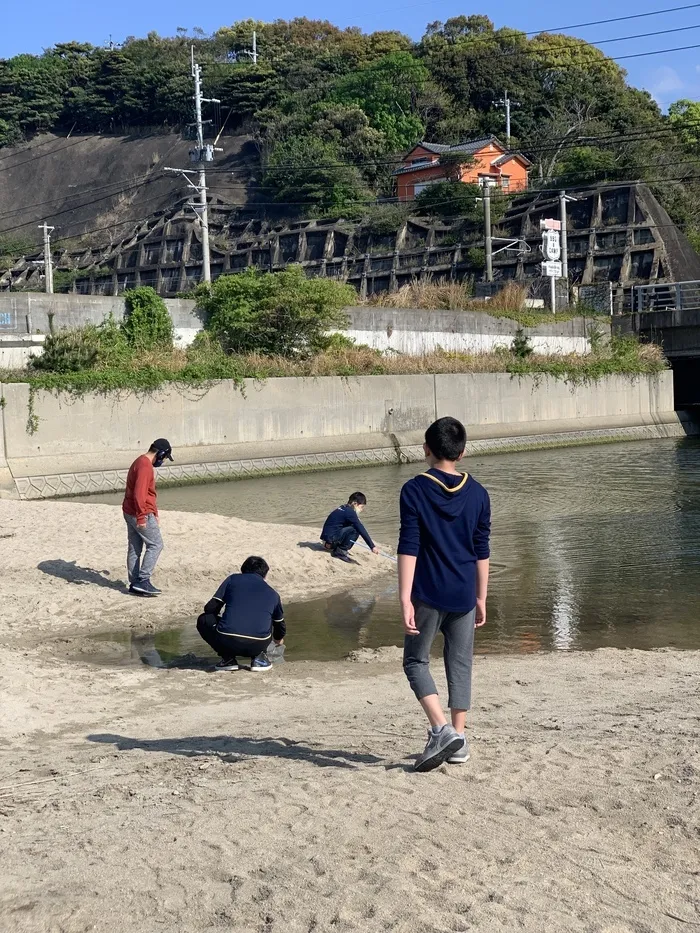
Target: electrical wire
x,y
599,22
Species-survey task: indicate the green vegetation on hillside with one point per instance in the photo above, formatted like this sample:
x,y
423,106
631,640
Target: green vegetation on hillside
x,y
332,108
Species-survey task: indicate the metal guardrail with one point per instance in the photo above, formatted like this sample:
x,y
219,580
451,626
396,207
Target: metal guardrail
x,y
667,296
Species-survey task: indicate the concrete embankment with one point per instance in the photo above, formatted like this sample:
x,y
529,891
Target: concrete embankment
x,y
25,319
85,444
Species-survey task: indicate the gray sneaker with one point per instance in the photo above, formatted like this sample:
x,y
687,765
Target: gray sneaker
x,y
441,746
460,756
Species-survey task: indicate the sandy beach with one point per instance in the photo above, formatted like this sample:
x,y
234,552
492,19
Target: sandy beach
x,y
140,799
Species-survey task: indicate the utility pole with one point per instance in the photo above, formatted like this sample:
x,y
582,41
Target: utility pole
x,y
507,103
564,245
488,246
48,265
255,48
203,210
563,198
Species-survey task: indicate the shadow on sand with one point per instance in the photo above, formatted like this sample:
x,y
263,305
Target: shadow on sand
x,y
231,749
70,571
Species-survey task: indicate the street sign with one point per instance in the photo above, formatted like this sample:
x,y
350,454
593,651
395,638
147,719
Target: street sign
x,y
552,269
551,247
550,224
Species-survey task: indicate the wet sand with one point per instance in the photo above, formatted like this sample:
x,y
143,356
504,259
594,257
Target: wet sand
x,y
135,799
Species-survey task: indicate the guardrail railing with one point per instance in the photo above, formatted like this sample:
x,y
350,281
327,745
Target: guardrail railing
x,y
666,296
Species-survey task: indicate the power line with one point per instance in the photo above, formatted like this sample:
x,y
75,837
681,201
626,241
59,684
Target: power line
x,y
147,179
639,35
129,183
619,19
599,22
157,197
44,154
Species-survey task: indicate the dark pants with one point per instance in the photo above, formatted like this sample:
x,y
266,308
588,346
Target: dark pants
x,y
348,536
229,646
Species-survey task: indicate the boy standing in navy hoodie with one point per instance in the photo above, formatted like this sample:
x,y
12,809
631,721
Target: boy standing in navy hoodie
x,y
443,578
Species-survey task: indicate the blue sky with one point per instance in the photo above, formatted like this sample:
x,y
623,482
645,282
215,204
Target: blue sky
x,y
667,77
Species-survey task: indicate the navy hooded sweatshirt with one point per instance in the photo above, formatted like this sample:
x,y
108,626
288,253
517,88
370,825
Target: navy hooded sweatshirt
x,y
338,520
445,524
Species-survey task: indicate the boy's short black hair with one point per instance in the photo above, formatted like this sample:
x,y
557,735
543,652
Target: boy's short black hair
x,y
256,565
357,498
446,439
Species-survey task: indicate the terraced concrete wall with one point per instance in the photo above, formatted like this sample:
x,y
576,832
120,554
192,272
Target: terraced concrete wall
x,y
86,444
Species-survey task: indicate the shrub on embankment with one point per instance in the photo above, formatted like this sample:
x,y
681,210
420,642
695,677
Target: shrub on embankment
x,y
206,362
260,325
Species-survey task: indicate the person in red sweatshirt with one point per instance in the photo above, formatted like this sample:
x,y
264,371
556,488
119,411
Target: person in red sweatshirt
x,y
141,516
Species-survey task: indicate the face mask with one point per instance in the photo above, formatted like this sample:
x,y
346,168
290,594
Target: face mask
x,y
160,458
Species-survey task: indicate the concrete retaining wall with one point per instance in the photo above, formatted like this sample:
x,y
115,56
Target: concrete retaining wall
x,y
402,330
86,444
416,331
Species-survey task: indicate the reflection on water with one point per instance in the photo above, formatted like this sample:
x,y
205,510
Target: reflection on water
x,y
592,547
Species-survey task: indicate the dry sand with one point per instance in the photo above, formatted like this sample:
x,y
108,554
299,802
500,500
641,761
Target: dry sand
x,y
142,800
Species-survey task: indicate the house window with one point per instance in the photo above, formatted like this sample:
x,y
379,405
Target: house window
x,y
423,185
505,182
421,161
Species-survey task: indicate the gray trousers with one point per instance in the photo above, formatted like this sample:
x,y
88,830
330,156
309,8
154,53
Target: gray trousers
x,y
458,631
148,537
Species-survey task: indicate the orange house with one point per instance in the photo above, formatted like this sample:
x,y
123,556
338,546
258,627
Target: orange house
x,y
486,158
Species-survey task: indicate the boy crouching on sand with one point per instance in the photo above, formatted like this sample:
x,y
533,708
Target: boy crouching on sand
x,y
252,618
443,578
343,527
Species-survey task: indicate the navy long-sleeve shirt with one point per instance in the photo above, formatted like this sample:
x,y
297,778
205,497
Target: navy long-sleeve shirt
x,y
446,525
252,609
339,519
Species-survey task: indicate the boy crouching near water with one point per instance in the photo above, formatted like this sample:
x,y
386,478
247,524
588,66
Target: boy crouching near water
x,y
252,618
343,527
443,578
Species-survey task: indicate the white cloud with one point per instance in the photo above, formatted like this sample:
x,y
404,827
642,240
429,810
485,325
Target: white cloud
x,y
665,84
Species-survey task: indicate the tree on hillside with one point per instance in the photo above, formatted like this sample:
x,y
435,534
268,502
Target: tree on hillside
x,y
386,91
450,199
684,118
306,172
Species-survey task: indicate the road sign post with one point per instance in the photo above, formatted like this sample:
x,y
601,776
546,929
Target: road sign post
x,y
551,250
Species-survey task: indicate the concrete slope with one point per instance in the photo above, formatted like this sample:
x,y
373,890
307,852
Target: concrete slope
x,y
81,184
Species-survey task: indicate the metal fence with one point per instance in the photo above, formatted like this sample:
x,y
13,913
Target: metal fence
x,y
669,296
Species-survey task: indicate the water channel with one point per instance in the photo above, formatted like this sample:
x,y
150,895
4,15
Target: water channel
x,y
592,547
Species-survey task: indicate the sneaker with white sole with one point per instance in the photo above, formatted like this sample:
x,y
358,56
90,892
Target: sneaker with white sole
x,y
227,664
261,663
460,756
145,588
440,746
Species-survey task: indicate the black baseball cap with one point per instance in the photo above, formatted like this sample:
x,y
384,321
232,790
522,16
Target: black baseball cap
x,y
163,446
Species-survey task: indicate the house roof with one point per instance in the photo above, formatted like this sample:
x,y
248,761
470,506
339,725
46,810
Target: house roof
x,y
507,156
470,147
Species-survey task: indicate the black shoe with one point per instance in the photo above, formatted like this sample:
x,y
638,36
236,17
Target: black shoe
x,y
342,555
145,589
227,664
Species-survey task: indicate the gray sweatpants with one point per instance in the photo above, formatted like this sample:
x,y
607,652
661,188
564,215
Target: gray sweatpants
x,y
149,537
458,631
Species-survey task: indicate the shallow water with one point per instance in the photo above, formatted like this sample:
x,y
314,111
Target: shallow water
x,y
592,547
